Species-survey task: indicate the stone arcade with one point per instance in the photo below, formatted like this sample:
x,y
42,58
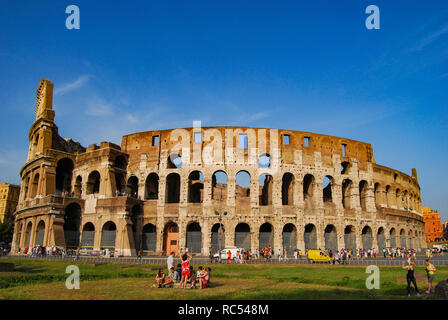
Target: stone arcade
x,y
163,191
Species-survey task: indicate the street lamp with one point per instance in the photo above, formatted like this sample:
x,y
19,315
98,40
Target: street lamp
x,y
220,232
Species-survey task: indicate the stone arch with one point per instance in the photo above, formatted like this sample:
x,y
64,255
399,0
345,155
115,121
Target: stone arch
x,y
243,236
72,222
40,233
120,185
266,236
149,238
377,194
35,185
78,187
331,238
132,186
393,238
171,238
196,187
194,237
287,189
310,236
381,239
218,238
28,230
346,193
289,238
219,185
108,235
366,237
327,189
88,236
242,186
308,187
350,237
172,194
93,182
152,186
64,171
265,189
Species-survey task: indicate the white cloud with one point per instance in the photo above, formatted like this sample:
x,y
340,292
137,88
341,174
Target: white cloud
x,y
431,38
72,85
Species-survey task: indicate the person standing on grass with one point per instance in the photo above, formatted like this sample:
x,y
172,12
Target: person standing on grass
x,y
170,261
430,272
229,256
410,277
185,258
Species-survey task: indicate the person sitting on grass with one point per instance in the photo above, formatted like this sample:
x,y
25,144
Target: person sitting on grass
x,y
169,279
200,276
205,277
160,278
192,279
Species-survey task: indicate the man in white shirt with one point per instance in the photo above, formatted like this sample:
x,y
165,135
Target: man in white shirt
x,y
170,261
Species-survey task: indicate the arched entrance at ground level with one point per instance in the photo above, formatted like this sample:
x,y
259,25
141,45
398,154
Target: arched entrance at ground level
x,y
72,221
218,238
310,237
350,238
403,239
194,238
266,236
411,241
393,238
40,233
136,218
149,238
242,236
88,236
289,237
381,239
331,238
171,238
366,237
108,235
28,235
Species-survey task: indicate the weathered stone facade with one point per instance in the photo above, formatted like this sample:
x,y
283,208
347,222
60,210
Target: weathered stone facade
x,y
173,191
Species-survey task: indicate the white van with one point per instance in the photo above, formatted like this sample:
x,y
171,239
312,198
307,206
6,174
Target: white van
x,y
224,251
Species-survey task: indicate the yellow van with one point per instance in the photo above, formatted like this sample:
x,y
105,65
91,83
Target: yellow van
x,y
318,256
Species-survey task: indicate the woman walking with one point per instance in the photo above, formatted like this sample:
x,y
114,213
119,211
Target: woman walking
x,y
411,278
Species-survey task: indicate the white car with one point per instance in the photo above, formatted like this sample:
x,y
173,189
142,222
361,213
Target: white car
x,y
233,251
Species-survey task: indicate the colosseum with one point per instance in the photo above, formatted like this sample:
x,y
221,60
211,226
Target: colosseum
x,y
204,188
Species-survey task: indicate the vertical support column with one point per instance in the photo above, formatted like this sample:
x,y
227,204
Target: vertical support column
x,y
206,237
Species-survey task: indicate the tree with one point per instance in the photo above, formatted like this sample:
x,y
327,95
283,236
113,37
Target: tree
x,y
6,231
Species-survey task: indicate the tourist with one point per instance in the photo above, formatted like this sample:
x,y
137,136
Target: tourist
x,y
411,278
169,279
430,272
170,261
192,278
160,277
185,258
229,256
206,277
178,273
200,276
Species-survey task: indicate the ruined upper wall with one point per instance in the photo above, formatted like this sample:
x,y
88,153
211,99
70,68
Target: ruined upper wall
x,y
261,140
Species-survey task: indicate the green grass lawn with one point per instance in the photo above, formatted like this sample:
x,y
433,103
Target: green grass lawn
x,y
40,279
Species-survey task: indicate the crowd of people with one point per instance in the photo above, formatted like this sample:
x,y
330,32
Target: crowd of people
x,y
183,274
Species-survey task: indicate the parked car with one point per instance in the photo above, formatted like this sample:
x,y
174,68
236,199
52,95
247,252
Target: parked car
x,y
318,256
224,251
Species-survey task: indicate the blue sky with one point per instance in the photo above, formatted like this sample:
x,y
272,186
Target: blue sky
x,y
302,65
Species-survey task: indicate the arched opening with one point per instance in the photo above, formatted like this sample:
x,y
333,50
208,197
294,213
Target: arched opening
x,y
78,187
64,169
363,194
120,162
350,237
172,194
388,201
327,186
289,238
287,189
174,161
242,236
25,192
331,238
152,187
266,236
40,233
345,166
411,240
133,187
171,238
366,237
377,194
417,242
218,238
265,189
35,185
194,238
264,161
393,238
242,187
308,187
346,193
310,236
381,239
28,234
72,221
219,185
403,243
120,184
195,187
108,235
18,235
93,182
149,238
88,236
